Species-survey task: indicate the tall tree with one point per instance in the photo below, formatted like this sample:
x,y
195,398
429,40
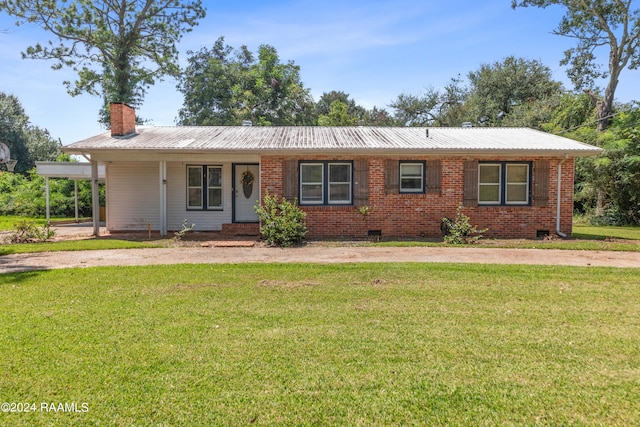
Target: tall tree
x,y
118,48
338,116
499,88
417,110
224,86
26,142
613,24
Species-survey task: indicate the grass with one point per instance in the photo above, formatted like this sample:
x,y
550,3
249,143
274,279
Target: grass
x,y
581,231
365,344
7,223
76,245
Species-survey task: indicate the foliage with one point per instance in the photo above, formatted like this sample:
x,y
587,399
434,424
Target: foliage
x,y
26,142
613,179
347,113
459,230
433,108
417,110
118,49
282,223
25,196
594,24
224,86
29,232
308,344
497,90
184,229
337,116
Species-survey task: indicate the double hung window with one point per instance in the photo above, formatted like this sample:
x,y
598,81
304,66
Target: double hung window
x,y
204,187
504,183
326,183
412,177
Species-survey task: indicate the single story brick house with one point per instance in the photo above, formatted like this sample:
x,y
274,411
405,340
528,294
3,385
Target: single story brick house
x,y
516,182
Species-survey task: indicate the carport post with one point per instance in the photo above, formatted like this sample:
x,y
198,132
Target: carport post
x,y
46,192
95,198
75,198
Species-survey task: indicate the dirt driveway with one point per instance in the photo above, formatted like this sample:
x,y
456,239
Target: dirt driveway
x,y
245,252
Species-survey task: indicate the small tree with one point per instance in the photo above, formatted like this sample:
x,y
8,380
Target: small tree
x,y
282,223
460,231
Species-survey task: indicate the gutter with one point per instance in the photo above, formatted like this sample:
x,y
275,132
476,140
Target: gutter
x,y
558,232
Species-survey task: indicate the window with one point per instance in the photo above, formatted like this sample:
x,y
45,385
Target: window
x,y
503,183
411,177
326,183
204,187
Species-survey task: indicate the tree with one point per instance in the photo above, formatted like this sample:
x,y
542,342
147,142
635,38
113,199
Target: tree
x,y
224,86
357,114
417,110
118,48
433,108
611,183
613,24
337,116
26,142
497,89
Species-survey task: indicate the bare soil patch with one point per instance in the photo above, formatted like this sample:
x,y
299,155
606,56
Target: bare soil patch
x,y
212,247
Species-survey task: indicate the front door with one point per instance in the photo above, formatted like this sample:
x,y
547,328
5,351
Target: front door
x,y
246,189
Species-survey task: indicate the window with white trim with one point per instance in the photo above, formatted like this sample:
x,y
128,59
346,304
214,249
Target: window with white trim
x,y
504,183
326,183
411,177
204,187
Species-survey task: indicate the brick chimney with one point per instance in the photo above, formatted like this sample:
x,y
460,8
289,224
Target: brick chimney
x,y
123,119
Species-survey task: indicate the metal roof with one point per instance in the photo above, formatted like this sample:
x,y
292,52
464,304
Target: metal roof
x,y
266,140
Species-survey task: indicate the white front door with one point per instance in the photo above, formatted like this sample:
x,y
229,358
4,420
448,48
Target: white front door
x,y
246,188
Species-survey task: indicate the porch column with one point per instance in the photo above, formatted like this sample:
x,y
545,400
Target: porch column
x,y
95,198
47,204
163,198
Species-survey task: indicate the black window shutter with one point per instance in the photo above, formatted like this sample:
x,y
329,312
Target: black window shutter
x,y
392,176
541,183
290,180
471,183
361,182
434,172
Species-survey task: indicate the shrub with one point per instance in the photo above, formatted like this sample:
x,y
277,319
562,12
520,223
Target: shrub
x,y
28,232
185,228
460,231
282,223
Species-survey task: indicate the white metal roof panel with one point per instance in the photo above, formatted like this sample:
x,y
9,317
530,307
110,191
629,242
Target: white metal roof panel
x,y
330,139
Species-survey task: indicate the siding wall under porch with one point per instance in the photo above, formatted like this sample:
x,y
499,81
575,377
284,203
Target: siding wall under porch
x,y
413,215
133,196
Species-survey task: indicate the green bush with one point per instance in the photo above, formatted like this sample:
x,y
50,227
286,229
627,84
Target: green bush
x,y
282,223
24,195
460,231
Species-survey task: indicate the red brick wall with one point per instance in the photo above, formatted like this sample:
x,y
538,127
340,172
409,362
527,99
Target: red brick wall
x,y
413,215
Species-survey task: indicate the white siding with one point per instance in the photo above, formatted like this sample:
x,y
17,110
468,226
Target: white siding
x,y
133,196
177,198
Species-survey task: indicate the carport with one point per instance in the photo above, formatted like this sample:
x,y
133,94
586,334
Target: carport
x,y
69,170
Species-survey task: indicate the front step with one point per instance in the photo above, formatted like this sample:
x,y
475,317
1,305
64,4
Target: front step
x,y
240,229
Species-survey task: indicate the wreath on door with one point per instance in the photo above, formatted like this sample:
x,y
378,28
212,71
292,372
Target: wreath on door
x,y
247,181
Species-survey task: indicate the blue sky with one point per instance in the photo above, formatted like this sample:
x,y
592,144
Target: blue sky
x,y
373,50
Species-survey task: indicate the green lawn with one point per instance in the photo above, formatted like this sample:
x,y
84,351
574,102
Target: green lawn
x,y
581,231
7,223
76,245
365,344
